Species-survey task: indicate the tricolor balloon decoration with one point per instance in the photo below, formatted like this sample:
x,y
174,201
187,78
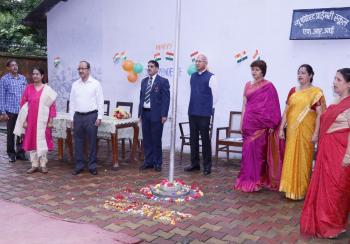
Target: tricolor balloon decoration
x,y
133,69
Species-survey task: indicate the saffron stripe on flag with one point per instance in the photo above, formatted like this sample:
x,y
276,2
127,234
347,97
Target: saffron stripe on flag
x,y
194,54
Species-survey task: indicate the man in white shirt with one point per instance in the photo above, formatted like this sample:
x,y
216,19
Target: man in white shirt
x,y
86,111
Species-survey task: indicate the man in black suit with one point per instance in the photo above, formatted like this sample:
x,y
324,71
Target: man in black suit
x,y
153,111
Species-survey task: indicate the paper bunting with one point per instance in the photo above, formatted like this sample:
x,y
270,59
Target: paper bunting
x,y
169,56
157,57
240,57
194,56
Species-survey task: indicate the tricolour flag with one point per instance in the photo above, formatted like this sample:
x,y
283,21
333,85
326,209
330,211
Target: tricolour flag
x,y
256,55
194,56
241,56
169,56
116,57
123,55
157,57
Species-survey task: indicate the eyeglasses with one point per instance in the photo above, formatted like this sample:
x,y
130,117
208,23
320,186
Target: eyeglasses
x,y
81,68
151,66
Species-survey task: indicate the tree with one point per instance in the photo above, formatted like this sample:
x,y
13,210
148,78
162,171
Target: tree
x,y
16,38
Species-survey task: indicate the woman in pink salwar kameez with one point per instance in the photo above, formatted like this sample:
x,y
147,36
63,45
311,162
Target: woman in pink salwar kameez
x,y
38,110
262,153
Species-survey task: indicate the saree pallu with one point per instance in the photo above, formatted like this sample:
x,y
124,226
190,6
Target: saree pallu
x,y
299,151
262,151
327,203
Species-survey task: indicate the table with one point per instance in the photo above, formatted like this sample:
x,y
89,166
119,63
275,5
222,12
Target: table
x,y
110,128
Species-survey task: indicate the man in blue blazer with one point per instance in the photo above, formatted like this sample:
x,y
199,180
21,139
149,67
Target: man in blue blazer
x,y
153,111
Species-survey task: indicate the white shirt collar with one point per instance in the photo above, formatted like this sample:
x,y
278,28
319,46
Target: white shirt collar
x,y
90,79
201,72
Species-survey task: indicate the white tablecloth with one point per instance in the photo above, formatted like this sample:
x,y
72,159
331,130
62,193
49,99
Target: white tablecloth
x,y
62,121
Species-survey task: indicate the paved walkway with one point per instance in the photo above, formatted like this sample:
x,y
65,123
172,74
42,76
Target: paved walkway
x,y
221,216
25,226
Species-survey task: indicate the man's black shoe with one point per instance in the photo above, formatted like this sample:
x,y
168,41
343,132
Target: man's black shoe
x,y
207,172
145,166
77,171
192,168
158,168
12,158
93,171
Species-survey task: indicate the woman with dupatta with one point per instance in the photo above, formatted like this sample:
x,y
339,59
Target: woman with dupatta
x,y
35,120
327,203
302,119
262,150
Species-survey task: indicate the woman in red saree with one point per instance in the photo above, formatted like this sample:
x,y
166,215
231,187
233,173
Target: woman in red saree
x,y
262,152
327,203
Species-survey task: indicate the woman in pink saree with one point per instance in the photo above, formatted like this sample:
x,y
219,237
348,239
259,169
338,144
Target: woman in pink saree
x,y
35,121
262,153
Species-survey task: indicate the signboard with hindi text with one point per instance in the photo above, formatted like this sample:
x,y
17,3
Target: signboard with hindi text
x,y
325,23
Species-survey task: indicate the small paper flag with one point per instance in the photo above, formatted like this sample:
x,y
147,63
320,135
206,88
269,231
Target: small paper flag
x,y
193,55
116,57
56,61
169,56
157,57
123,55
256,55
241,56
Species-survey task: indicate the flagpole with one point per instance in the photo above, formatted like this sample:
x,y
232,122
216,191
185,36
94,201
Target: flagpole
x,y
175,83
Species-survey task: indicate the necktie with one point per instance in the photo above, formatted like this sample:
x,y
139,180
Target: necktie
x,y
148,90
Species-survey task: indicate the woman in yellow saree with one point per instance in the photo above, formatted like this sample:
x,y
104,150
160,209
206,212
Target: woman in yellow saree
x,y
302,119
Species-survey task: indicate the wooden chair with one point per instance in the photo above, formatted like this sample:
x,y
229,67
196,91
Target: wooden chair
x,y
185,135
128,106
106,104
233,136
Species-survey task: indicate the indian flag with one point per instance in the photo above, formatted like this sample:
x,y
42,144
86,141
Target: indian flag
x,y
123,55
116,57
241,56
169,56
194,55
157,57
256,55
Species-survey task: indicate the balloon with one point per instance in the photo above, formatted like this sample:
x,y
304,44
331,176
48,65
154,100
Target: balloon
x,y
128,65
132,77
137,68
191,69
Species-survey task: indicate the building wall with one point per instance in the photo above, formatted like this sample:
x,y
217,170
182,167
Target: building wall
x,y
98,29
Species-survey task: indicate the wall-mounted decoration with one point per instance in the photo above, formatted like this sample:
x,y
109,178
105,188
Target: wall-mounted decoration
x,y
169,56
240,57
194,56
256,55
323,23
56,61
157,57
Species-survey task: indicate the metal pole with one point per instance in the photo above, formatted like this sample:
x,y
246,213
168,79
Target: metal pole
x,y
175,82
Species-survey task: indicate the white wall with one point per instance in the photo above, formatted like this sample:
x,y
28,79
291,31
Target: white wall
x,y
97,29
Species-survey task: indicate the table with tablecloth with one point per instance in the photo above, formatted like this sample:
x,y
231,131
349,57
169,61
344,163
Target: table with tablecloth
x,y
110,128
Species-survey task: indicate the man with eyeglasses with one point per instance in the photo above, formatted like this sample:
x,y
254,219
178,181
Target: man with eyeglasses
x,y
203,89
153,111
12,86
86,112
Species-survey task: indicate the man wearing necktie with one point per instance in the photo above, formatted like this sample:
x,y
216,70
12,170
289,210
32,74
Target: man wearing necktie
x,y
153,111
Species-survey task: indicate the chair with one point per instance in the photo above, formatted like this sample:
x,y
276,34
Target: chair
x,y
128,106
233,136
106,104
185,135
67,107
